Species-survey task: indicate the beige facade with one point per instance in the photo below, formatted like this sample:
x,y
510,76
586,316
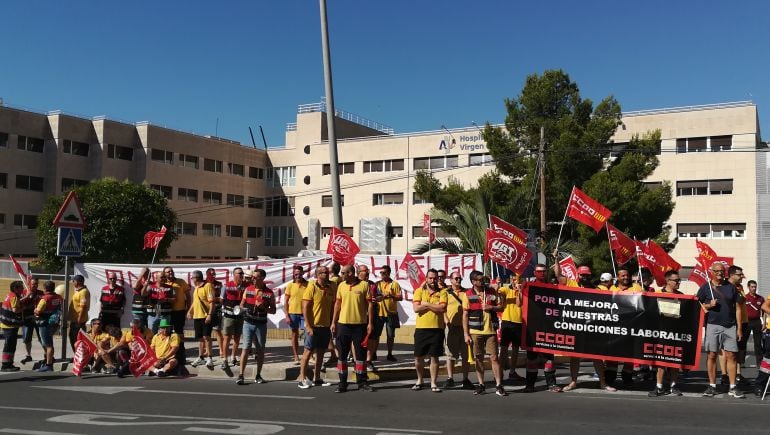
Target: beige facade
x,y
279,202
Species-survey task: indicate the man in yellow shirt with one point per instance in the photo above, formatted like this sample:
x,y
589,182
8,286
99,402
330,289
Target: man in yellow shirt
x,y
611,367
480,307
165,345
510,327
388,295
317,306
10,321
122,347
429,304
353,319
103,341
179,306
292,306
455,341
81,302
200,313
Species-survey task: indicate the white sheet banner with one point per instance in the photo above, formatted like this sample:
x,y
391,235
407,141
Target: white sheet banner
x,y
279,274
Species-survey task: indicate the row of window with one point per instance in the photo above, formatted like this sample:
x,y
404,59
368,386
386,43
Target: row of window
x,y
394,232
714,231
277,235
378,199
702,144
704,187
438,162
209,165
73,147
273,206
21,221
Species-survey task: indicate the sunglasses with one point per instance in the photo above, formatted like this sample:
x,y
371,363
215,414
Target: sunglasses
x,y
458,278
675,280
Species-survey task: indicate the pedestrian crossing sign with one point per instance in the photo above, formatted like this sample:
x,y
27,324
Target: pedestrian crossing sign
x,y
70,242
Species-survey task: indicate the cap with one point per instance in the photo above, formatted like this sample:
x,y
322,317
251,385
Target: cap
x,y
164,323
584,270
606,277
95,319
79,278
136,320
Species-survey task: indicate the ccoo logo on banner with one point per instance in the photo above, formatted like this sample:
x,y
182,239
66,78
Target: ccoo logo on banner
x,y
643,328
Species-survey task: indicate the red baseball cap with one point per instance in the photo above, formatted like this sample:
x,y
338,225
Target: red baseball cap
x,y
584,270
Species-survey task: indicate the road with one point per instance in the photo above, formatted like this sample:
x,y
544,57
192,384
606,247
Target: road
x,y
62,404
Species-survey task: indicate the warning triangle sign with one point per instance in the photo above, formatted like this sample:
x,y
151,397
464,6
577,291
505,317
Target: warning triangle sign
x,y
69,214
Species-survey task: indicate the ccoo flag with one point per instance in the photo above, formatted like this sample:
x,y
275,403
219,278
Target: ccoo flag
x,y
511,231
587,210
621,245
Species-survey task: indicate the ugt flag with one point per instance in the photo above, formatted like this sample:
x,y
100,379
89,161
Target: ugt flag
x,y
506,252
413,270
84,350
587,210
342,247
568,269
142,356
152,238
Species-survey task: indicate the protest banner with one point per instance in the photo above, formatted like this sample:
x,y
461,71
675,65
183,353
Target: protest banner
x,y
84,350
142,356
641,328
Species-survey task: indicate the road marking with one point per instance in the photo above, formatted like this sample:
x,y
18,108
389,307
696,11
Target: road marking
x,y
194,426
33,432
400,431
116,390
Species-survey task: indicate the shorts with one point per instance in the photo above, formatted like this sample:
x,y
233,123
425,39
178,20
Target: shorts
x,y
484,344
296,321
510,334
455,343
718,337
379,325
232,325
202,329
28,330
254,333
216,320
46,335
428,342
320,338
392,323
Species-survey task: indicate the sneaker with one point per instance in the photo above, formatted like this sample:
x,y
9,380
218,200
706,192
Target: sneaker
x,y
341,388
162,374
371,366
224,365
305,384
467,385
259,379
322,383
739,379
710,392
209,363
364,386
595,376
657,392
391,358
45,368
480,389
450,383
500,391
197,362
26,359
736,392
240,381
725,380
234,362
675,392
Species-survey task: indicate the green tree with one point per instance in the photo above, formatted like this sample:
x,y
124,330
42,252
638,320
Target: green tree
x,y
117,214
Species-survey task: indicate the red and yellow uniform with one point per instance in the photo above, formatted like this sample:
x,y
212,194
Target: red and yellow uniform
x,y
354,302
323,302
294,292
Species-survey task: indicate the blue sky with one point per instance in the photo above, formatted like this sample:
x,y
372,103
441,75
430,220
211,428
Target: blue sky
x,y
413,65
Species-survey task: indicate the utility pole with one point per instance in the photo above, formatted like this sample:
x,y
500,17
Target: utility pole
x,y
333,161
541,157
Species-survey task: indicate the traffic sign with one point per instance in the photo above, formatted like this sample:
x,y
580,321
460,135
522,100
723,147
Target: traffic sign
x,y
70,242
70,214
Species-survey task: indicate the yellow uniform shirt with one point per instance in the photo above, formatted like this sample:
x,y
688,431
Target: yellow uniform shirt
x,y
162,345
512,312
323,302
453,307
388,305
81,301
128,337
429,319
295,291
101,339
634,288
355,303
488,329
14,306
602,287
200,301
180,295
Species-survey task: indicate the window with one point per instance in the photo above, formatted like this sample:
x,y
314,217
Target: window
x,y
689,188
185,194
3,180
696,144
188,161
282,176
279,236
440,162
684,272
652,185
255,202
691,231
279,206
387,198
186,228
326,232
29,182
417,199
396,232
257,173
212,165
721,143
75,148
699,144
480,160
234,231
3,140
212,230
343,168
162,156
164,190
24,222
254,232
71,183
30,144
235,200
384,165
728,231
212,197
617,149
235,169
120,152
721,187
326,200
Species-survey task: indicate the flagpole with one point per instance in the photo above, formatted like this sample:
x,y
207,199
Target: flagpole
x,y
491,269
638,263
430,229
612,256
563,221
154,252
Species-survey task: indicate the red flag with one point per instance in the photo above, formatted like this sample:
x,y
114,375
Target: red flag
x,y
427,227
17,267
506,252
413,270
142,356
84,350
502,227
706,255
152,238
727,261
342,247
587,210
698,274
569,269
621,245
655,258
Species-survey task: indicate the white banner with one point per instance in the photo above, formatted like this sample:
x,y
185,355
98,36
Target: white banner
x,y
278,276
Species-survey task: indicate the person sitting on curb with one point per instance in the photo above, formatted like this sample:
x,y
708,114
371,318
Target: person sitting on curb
x,y
165,345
